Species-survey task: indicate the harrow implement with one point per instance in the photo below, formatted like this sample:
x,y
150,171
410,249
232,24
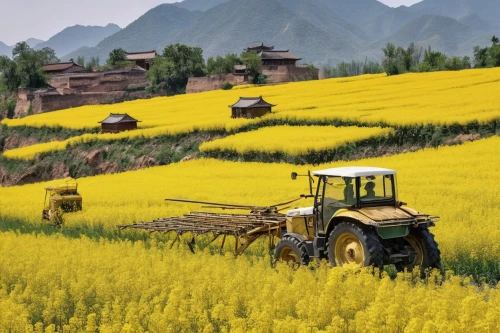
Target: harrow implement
x,y
245,228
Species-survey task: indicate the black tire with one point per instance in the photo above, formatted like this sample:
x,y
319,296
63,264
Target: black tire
x,y
290,243
430,248
373,249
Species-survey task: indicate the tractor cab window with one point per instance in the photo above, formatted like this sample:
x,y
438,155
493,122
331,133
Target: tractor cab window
x,y
339,193
376,188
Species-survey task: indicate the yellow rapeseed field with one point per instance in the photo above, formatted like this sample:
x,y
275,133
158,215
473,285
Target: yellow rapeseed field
x,y
56,284
457,183
437,98
294,140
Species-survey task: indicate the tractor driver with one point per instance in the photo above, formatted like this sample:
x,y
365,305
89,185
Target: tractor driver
x,y
370,190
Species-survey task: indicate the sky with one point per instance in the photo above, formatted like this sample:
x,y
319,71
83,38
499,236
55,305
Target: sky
x,y
43,19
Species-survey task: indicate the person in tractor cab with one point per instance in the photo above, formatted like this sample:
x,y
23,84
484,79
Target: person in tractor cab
x,y
370,190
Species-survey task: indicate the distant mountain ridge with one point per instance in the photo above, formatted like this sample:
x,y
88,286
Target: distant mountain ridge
x,y
5,50
319,31
78,36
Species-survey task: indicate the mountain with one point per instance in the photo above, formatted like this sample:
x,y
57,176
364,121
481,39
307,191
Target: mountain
x,y
487,9
324,18
154,30
224,30
5,50
477,22
443,34
202,5
77,36
358,12
32,42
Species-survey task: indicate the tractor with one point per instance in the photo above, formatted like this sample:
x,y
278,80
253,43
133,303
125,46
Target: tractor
x,y
61,198
358,219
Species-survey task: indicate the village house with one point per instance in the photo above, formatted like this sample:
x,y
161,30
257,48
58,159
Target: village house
x,y
250,107
117,122
63,68
142,59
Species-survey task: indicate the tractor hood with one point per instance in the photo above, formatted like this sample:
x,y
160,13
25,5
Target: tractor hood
x,y
388,213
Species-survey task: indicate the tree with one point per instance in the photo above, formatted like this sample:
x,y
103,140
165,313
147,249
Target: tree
x,y
495,40
480,56
81,61
25,68
177,63
116,56
254,65
222,65
393,62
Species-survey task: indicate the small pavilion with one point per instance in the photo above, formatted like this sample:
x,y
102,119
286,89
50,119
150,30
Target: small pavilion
x,y
250,107
117,123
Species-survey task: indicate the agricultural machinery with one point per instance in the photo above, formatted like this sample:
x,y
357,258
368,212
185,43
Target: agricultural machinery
x,y
61,198
356,219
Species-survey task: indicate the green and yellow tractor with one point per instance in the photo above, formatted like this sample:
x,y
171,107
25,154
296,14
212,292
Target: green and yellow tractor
x,y
358,219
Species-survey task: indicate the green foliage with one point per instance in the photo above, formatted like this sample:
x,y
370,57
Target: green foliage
x,y
354,68
30,109
254,65
8,106
80,61
223,65
25,68
177,63
227,86
262,79
488,56
116,56
399,61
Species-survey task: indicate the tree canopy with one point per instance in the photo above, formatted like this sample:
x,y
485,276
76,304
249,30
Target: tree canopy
x,y
176,64
25,67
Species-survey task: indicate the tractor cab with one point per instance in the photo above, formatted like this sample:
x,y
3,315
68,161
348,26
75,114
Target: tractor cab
x,y
62,197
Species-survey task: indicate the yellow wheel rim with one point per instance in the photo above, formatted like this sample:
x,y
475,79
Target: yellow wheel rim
x,y
349,250
289,255
414,245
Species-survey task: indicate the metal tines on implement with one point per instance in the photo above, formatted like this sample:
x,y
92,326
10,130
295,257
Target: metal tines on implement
x,y
246,228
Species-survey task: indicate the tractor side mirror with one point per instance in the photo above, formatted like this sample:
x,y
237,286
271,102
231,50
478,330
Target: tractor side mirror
x,y
294,176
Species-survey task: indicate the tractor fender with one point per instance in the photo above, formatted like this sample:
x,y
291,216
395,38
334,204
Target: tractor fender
x,y
303,240
351,216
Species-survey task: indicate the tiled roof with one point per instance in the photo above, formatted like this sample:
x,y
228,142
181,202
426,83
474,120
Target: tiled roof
x,y
278,55
115,118
260,46
60,66
141,55
251,102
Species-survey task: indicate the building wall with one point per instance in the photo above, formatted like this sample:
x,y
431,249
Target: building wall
x,y
250,112
120,127
279,74
214,82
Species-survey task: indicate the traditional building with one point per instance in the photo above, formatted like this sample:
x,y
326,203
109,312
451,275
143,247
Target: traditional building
x,y
116,123
62,68
278,58
142,59
250,107
257,48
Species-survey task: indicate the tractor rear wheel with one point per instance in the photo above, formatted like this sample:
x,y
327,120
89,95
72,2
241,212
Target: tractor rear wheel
x,y
349,243
427,254
290,250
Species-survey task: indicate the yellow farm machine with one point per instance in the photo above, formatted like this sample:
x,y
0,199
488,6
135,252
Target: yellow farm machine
x,y
61,198
356,218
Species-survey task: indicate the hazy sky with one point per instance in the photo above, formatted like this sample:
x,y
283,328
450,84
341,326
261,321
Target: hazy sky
x,y
23,19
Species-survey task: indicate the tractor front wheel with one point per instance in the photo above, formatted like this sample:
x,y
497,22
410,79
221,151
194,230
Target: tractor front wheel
x,y
290,250
352,244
